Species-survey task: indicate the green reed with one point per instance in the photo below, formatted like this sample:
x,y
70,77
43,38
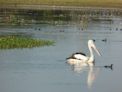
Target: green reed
x,y
10,42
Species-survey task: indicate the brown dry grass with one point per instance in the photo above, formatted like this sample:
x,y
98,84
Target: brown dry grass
x,y
96,3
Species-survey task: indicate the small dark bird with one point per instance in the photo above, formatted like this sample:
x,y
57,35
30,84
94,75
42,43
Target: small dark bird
x,y
61,31
116,29
94,40
39,29
104,40
109,66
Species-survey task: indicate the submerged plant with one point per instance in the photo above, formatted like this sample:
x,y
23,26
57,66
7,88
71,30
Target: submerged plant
x,y
10,42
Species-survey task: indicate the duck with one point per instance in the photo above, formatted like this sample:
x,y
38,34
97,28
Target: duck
x,y
109,66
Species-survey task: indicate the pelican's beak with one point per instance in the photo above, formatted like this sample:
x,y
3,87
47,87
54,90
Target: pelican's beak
x,y
94,47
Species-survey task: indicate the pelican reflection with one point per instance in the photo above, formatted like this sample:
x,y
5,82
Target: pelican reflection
x,y
89,68
92,74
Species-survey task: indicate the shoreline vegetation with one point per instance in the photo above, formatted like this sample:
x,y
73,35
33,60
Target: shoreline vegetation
x,y
29,12
57,7
21,12
11,42
25,17
54,4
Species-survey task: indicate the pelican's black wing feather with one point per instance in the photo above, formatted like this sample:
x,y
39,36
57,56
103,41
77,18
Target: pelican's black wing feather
x,y
80,53
73,55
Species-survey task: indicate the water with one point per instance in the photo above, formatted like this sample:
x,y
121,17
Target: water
x,y
43,69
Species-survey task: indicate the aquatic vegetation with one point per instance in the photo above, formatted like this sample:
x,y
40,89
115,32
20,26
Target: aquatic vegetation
x,y
10,42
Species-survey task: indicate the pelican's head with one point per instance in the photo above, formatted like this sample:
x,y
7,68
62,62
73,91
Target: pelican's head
x,y
92,45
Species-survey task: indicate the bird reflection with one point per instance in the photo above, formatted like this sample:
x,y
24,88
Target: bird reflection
x,y
92,74
87,67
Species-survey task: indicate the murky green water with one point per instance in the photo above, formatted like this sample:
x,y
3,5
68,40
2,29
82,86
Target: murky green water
x,y
43,69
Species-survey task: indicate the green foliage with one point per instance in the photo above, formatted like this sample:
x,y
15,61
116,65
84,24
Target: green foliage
x,y
10,42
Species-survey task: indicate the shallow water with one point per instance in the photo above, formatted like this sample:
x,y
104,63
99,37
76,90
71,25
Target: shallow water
x,y
43,69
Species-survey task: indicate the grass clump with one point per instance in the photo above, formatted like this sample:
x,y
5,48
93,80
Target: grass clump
x,y
11,42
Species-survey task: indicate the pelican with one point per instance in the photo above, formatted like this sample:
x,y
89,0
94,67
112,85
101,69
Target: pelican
x,y
79,57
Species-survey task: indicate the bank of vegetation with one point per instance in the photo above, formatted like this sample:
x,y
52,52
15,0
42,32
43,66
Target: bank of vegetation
x,y
96,3
32,17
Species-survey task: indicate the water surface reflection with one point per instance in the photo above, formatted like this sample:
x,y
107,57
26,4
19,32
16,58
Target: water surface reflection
x,y
90,69
43,69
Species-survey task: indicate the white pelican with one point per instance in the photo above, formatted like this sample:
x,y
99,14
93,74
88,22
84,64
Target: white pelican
x,y
79,57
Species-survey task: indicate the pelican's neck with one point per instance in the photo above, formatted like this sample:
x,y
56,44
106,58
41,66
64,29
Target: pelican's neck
x,y
91,58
